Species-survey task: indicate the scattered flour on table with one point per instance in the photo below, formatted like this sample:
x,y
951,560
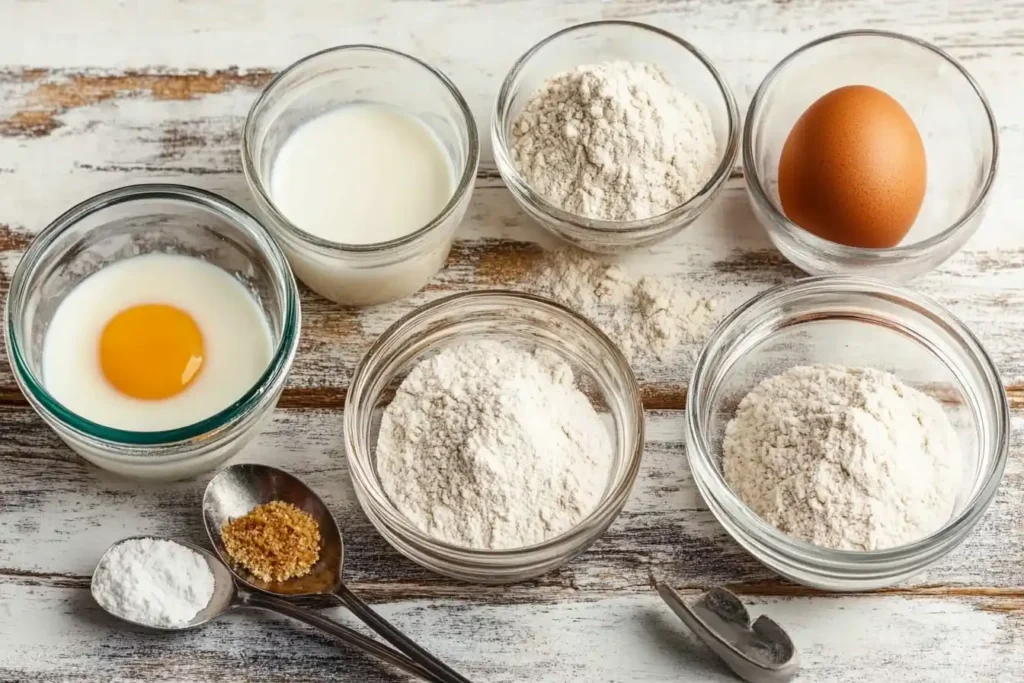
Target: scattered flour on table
x,y
647,317
488,446
846,458
154,582
614,141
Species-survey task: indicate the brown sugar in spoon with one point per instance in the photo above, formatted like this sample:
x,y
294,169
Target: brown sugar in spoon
x,y
237,489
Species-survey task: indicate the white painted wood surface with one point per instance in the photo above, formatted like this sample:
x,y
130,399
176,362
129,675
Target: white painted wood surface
x,y
96,95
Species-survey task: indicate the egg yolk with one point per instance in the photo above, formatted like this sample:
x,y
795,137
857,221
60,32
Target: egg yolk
x,y
152,351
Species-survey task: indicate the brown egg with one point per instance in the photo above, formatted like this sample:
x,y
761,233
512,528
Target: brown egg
x,y
853,169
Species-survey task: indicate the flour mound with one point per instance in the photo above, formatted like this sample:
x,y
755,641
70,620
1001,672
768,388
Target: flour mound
x,y
648,318
614,141
488,446
845,458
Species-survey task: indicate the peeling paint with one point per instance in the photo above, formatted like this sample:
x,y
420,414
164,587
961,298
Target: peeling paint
x,y
56,92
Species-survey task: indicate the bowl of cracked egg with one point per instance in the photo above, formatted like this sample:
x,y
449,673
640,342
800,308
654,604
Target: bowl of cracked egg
x,y
493,436
614,135
152,327
848,433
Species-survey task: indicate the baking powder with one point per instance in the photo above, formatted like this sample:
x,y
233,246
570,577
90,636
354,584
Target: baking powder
x,y
153,582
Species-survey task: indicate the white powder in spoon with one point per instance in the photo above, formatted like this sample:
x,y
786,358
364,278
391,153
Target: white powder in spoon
x,y
153,582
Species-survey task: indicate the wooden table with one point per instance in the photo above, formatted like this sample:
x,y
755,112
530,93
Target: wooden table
x,y
102,94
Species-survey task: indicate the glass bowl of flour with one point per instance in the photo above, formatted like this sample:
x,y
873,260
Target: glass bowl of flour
x,y
614,135
492,436
846,432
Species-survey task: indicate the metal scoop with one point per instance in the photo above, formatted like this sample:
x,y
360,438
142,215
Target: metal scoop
x,y
761,652
237,489
227,597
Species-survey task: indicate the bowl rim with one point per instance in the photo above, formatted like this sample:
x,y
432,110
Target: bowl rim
x,y
465,183
390,516
834,250
277,365
518,185
699,452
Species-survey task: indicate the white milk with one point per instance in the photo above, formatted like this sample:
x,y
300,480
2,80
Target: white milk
x,y
361,174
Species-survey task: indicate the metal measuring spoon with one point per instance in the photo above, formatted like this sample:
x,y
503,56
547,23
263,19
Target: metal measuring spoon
x,y
226,597
758,653
237,489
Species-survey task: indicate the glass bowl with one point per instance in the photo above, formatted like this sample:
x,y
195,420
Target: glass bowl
x,y
529,323
848,321
361,274
129,222
685,66
956,124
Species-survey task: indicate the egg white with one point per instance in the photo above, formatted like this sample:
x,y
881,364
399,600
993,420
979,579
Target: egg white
x,y
236,339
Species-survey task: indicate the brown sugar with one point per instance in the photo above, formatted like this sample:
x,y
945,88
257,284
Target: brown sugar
x,y
275,541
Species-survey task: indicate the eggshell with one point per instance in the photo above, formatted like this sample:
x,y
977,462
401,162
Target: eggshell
x,y
853,169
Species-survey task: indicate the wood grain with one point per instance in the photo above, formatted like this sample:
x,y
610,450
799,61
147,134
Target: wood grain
x,y
54,93
97,95
939,640
665,531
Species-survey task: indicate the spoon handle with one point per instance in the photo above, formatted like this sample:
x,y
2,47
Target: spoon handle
x,y
344,633
383,627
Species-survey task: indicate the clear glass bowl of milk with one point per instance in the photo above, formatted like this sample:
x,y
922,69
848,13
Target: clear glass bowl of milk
x,y
362,161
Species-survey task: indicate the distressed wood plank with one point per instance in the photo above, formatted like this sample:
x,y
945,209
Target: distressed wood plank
x,y
64,512
47,95
868,638
469,38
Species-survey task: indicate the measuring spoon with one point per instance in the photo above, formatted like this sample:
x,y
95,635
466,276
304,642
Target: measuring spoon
x,y
761,652
227,597
237,489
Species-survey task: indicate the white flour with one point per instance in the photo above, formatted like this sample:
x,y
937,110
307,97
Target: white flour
x,y
846,458
153,582
488,446
648,317
614,141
